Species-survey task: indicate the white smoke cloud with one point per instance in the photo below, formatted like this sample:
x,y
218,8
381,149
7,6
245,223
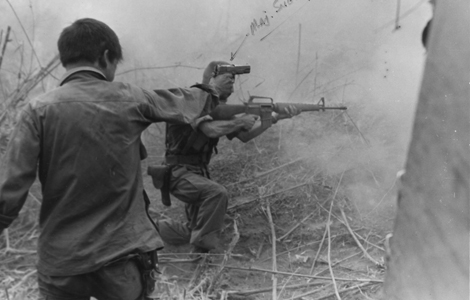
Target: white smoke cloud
x,y
349,52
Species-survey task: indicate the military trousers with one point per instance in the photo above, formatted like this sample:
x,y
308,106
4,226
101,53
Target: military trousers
x,y
206,205
121,280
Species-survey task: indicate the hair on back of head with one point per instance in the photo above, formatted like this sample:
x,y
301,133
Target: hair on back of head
x,y
86,40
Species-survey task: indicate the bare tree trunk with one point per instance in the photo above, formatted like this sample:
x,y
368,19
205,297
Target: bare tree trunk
x,y
430,245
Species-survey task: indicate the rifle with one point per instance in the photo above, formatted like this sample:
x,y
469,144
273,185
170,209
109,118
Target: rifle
x,y
265,109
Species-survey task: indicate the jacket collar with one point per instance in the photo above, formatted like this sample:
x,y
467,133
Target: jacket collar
x,y
79,69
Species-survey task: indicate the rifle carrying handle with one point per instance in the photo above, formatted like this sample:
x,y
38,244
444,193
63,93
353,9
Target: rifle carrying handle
x,y
250,100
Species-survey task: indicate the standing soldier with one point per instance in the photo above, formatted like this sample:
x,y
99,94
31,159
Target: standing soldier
x,y
83,139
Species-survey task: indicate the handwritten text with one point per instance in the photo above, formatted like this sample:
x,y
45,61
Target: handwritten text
x,y
278,5
255,25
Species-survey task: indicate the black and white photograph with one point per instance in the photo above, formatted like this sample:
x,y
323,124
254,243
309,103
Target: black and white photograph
x,y
234,149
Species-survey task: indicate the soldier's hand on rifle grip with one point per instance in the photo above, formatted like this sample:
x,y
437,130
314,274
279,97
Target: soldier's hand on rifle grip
x,y
247,121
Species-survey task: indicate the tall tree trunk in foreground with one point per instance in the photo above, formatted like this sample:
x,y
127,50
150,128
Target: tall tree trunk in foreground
x,y
430,245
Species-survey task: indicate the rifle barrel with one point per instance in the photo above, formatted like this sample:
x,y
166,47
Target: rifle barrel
x,y
280,107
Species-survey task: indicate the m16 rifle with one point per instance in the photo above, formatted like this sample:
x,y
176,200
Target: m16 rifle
x,y
266,108
263,107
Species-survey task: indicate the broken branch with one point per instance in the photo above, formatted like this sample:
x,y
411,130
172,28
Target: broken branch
x,y
265,196
319,249
296,274
295,227
329,252
264,290
356,240
7,39
273,233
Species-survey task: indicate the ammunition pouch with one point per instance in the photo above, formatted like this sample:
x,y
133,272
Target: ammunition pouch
x,y
148,265
161,176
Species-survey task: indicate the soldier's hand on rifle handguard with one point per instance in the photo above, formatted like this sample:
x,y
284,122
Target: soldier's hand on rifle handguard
x,y
288,112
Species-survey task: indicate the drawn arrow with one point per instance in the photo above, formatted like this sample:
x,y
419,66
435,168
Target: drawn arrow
x,y
233,54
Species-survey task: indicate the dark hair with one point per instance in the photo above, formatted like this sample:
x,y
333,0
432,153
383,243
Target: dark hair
x,y
86,40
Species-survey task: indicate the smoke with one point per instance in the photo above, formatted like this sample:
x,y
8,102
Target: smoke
x,y
348,52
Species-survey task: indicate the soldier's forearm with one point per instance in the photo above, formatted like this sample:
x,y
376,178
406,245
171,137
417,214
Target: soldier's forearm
x,y
255,131
216,129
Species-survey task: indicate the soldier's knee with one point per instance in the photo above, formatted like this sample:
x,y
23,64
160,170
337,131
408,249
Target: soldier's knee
x,y
173,232
216,193
221,192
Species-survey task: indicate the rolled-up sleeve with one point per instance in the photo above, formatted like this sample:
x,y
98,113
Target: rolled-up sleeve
x,y
178,105
18,168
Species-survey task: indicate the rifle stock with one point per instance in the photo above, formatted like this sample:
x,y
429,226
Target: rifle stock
x,y
227,111
281,107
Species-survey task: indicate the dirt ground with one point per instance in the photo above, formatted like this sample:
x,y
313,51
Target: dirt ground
x,y
274,196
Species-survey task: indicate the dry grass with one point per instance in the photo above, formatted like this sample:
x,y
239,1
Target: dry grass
x,y
19,79
281,237
298,188
277,196
296,185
